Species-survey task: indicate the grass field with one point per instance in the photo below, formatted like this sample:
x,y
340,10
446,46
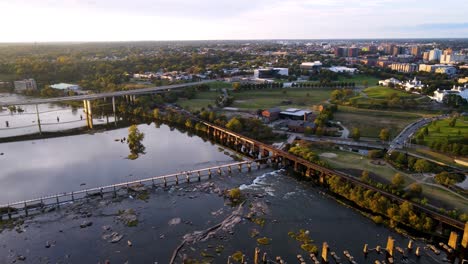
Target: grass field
x,y
263,99
348,160
380,92
446,132
201,100
7,77
359,79
220,85
370,122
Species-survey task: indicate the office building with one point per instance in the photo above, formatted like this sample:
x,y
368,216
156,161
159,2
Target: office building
x,y
26,84
404,67
270,73
434,55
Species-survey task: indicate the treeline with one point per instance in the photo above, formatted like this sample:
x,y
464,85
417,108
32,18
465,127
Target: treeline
x,y
381,206
304,151
404,161
256,86
326,84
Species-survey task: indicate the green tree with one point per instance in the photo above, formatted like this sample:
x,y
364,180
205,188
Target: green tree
x,y
415,189
236,86
453,122
135,137
398,180
234,124
422,165
365,176
356,134
384,134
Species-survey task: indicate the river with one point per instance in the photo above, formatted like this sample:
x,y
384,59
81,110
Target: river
x,y
53,117
283,204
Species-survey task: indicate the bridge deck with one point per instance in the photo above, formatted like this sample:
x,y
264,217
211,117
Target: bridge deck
x,y
103,95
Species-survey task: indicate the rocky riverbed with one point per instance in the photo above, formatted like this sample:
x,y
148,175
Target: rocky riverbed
x,y
198,222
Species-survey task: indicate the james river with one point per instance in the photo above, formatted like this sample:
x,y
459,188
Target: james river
x,y
35,168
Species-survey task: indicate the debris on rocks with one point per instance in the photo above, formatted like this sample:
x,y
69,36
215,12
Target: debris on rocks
x,y
128,217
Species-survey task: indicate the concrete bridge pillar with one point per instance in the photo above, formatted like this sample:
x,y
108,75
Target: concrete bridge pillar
x,y
38,120
114,110
390,246
88,112
325,252
464,242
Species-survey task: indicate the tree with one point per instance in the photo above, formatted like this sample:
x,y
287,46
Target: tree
x,y
236,86
365,176
415,189
356,134
398,180
384,134
452,122
234,124
134,142
422,165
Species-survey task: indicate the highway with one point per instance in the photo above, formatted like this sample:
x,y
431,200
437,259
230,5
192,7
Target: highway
x,y
159,89
399,141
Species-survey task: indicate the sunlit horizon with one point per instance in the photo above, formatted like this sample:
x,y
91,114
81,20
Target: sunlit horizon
x,y
161,20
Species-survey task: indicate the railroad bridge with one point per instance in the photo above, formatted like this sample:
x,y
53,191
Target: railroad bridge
x,y
259,150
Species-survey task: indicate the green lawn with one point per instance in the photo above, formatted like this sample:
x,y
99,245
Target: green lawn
x,y
359,79
370,122
7,77
441,197
349,160
380,92
263,99
201,100
220,85
446,132
436,196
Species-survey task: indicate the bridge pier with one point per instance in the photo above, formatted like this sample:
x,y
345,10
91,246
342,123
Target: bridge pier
x,y
89,113
113,110
38,120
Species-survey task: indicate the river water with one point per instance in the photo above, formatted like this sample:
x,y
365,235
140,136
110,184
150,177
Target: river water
x,y
25,123
40,167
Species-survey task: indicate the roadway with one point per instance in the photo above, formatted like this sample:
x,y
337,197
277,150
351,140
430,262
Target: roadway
x,y
158,89
400,141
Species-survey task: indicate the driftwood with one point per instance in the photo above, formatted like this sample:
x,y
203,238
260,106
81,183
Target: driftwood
x,y
227,224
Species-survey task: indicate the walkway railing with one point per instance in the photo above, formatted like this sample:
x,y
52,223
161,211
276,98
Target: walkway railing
x,y
26,207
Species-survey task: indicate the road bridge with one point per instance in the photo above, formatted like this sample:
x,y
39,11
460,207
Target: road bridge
x,y
150,90
130,95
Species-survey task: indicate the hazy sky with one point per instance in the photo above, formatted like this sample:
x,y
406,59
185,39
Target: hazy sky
x,y
113,20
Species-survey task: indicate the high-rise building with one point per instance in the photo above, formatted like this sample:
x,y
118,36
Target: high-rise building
x,y
448,51
453,58
397,50
434,55
341,52
26,84
426,56
388,48
353,52
416,51
404,67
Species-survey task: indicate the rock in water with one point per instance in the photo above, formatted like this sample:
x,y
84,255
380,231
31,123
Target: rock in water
x,y
86,224
175,221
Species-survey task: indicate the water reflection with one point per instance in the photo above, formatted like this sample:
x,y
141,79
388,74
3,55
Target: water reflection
x,y
53,117
40,167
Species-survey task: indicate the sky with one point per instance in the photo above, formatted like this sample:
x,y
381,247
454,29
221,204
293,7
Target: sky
x,y
134,20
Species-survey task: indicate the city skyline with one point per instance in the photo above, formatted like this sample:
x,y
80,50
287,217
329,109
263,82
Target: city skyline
x,y
77,20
